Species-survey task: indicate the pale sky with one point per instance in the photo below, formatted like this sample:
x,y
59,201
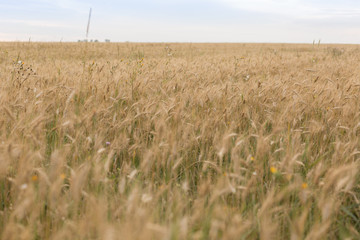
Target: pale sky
x,y
291,21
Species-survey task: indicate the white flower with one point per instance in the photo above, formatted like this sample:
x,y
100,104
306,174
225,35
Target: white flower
x,y
145,198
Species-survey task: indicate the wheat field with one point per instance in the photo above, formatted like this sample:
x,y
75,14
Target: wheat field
x,y
179,141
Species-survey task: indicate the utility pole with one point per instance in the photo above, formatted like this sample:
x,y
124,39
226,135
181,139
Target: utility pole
x,y
88,25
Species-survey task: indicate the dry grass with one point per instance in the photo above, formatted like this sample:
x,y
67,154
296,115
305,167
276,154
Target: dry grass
x,y
179,141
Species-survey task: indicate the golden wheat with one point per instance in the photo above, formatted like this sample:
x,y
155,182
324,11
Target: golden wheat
x,y
179,141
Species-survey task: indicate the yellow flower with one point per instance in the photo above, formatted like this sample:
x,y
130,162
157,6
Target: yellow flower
x,y
62,176
273,170
34,178
304,185
252,159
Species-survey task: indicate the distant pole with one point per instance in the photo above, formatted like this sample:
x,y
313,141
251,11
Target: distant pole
x,y
88,25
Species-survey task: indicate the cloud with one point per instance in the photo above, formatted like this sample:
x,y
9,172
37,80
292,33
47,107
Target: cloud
x,y
65,5
267,6
298,9
6,37
36,23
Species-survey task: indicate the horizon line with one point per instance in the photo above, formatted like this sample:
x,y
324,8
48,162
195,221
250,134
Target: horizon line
x,y
175,42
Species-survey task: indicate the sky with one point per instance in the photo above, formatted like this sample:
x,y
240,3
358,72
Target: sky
x,y
284,21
